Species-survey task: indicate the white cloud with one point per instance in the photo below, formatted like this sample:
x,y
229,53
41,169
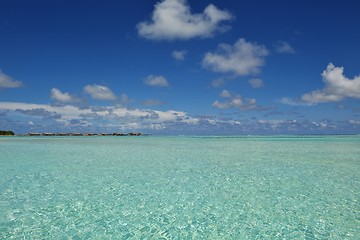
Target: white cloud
x,y
8,82
99,92
65,97
179,55
243,58
156,81
284,47
337,87
256,83
172,19
234,101
225,94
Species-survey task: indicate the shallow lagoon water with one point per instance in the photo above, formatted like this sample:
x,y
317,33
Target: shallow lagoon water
x,y
180,187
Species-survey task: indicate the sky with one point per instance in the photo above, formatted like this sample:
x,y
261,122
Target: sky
x,y
178,67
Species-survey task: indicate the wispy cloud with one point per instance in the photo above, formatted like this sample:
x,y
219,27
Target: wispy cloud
x,y
8,82
66,112
179,55
294,102
284,47
152,102
219,82
256,83
242,58
39,112
124,99
99,92
354,122
156,81
172,19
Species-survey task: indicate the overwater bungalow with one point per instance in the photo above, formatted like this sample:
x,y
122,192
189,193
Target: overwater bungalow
x,y
119,134
134,134
48,134
34,134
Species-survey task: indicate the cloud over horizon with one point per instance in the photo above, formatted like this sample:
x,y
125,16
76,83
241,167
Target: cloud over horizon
x,y
106,117
24,117
242,58
172,19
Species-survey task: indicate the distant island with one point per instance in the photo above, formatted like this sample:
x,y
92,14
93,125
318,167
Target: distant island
x,y
6,133
49,134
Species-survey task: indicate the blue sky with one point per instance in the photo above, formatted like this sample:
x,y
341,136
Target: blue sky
x,y
180,67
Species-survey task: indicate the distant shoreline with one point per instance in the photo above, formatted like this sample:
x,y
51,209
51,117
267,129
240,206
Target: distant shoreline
x,y
191,136
47,134
91,134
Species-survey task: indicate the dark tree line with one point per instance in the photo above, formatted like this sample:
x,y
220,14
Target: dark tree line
x,y
7,133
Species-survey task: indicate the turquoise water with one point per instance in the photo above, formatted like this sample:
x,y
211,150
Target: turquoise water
x,y
180,187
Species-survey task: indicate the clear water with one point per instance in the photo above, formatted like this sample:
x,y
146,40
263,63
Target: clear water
x,y
180,187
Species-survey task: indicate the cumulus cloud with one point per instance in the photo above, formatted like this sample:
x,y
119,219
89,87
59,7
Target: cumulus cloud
x,y
234,101
256,83
172,19
99,92
8,82
65,97
179,55
284,47
242,58
156,81
337,87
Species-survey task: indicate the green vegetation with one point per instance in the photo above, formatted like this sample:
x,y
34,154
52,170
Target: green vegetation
x,y
6,133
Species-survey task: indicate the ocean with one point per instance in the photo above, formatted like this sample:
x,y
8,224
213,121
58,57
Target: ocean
x,y
188,187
